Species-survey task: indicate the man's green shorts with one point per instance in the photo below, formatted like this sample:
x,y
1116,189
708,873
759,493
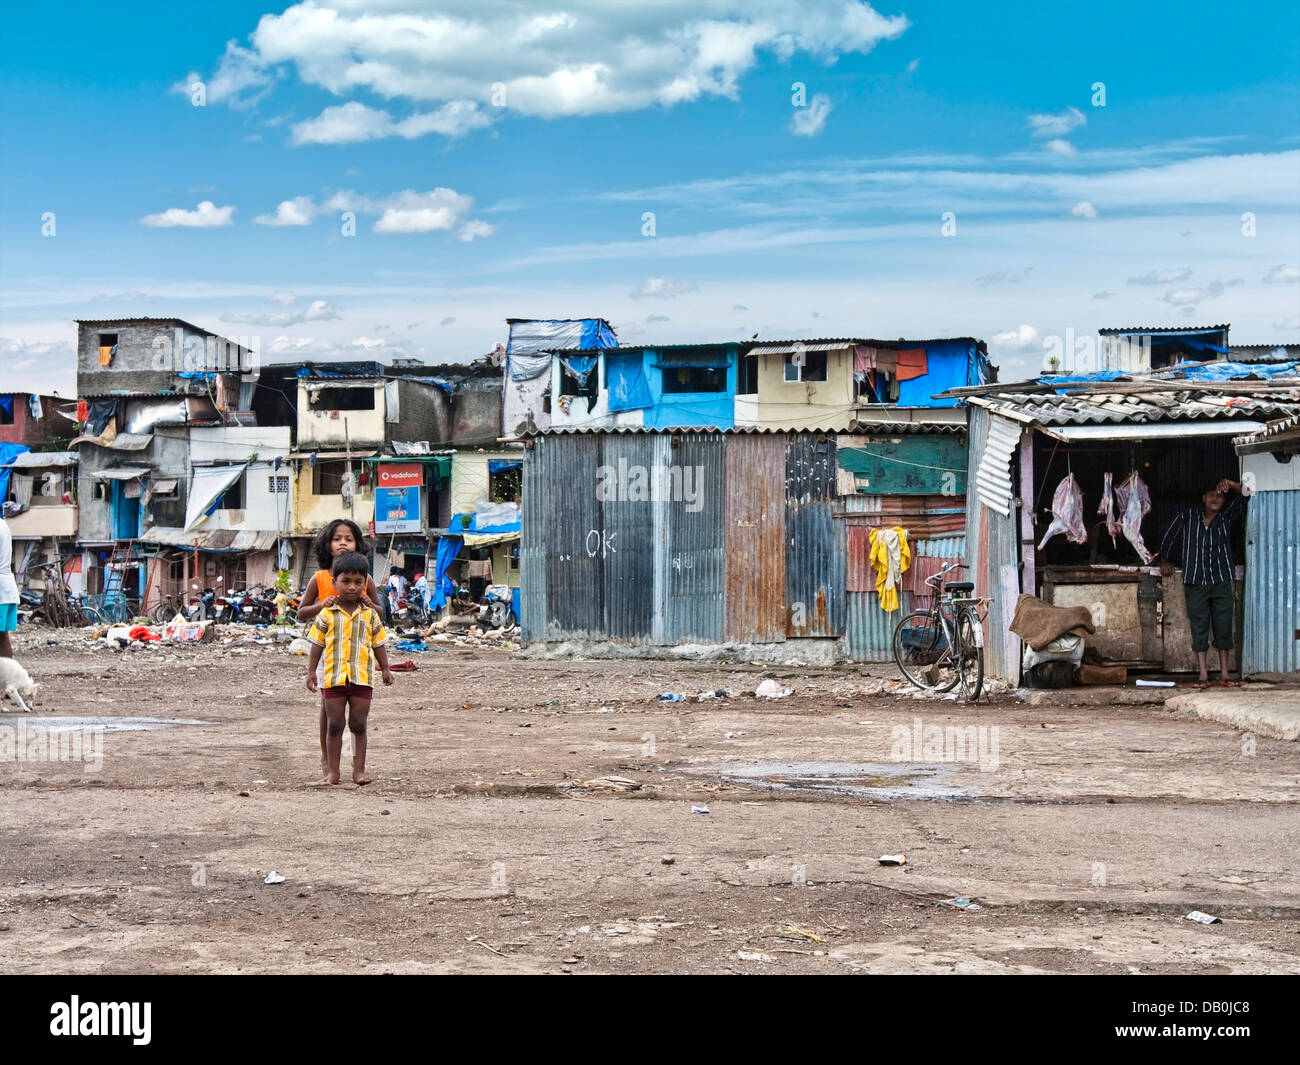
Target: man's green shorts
x,y
1210,605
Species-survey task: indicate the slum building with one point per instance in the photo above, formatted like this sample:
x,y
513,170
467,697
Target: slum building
x,y
1172,428
38,481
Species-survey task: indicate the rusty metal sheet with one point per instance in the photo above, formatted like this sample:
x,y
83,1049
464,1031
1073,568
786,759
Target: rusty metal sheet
x,y
696,570
755,538
814,561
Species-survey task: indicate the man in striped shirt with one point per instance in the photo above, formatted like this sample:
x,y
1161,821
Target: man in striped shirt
x,y
1199,538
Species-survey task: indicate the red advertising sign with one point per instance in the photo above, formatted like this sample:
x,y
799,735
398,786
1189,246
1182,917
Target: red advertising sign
x,y
401,475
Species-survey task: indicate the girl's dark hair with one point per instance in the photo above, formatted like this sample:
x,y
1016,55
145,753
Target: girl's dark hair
x,y
324,556
350,562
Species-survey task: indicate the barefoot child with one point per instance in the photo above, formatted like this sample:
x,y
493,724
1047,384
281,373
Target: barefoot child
x,y
349,638
337,538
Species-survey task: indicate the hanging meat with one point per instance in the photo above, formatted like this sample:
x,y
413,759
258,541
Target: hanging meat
x,y
1134,505
1067,513
1107,509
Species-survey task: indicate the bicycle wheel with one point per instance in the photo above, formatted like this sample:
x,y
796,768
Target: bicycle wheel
x,y
972,658
924,654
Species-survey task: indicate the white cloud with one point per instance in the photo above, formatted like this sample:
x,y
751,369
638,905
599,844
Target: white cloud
x,y
352,122
739,307
240,81
317,311
1083,209
1103,295
1062,148
811,120
664,288
911,67
593,58
424,212
1048,125
1190,298
300,211
368,343
206,216
1162,277
1282,275
39,366
657,318
1023,338
1004,277
447,321
475,228
282,297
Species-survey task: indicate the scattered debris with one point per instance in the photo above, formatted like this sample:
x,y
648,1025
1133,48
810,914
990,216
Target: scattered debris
x,y
770,689
607,784
795,930
672,697
960,903
273,878
752,955
1203,918
1142,682
700,810
892,859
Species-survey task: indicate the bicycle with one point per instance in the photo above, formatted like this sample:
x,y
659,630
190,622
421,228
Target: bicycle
x,y
939,648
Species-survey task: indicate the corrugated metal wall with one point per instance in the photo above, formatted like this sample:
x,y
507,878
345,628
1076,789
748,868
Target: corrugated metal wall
x,y
814,560
992,552
870,631
696,539
1272,608
620,547
755,529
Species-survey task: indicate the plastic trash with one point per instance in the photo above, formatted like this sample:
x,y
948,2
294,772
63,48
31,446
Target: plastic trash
x,y
960,903
672,697
700,810
1142,682
770,689
892,859
1203,918
273,878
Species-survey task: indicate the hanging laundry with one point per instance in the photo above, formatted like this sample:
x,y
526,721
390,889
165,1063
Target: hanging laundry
x,y
911,363
1107,509
34,407
1134,505
1067,513
891,556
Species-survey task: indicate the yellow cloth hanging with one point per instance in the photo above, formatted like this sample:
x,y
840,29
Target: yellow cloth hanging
x,y
891,556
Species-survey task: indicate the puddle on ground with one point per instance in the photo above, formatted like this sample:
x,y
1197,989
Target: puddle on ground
x,y
108,724
893,780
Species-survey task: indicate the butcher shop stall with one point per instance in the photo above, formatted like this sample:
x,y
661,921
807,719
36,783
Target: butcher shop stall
x,y
1075,486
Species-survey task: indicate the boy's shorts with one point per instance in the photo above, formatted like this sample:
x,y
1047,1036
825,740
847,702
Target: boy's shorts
x,y
8,617
349,691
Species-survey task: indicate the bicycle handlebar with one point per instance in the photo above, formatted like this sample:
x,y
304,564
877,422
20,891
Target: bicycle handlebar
x,y
937,579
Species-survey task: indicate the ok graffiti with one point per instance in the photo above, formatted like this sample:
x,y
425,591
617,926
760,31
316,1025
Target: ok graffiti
x,y
600,542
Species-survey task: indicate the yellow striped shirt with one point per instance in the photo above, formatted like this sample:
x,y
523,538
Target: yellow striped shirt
x,y
348,639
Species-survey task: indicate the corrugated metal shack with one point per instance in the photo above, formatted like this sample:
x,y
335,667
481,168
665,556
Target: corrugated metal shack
x,y
1175,429
743,537
1270,463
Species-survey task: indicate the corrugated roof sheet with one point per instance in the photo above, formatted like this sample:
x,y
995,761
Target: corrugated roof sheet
x,y
1165,329
1100,407
37,459
1276,428
215,540
993,478
1264,352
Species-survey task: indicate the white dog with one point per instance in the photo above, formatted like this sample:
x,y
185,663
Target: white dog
x,y
15,685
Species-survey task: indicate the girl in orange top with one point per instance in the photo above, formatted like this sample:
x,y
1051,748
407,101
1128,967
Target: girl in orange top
x,y
337,538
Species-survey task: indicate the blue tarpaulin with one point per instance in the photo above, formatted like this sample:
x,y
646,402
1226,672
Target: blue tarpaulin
x,y
626,382
7,404
579,367
8,452
501,465
440,587
1081,378
947,366
1232,371
699,360
475,528
553,334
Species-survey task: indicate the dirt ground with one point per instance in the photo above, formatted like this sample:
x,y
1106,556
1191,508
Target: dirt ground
x,y
1083,834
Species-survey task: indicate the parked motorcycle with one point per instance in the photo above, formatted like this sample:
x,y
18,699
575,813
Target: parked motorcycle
x,y
496,606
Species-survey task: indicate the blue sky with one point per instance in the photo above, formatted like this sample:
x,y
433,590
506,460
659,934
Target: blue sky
x,y
499,159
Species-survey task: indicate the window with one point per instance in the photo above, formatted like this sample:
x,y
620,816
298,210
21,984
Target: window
x,y
569,387
806,366
277,485
234,496
99,490
342,399
694,379
7,412
327,478
747,384
107,348
168,512
506,486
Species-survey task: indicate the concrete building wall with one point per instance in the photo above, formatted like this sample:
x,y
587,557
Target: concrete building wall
x,y
328,429
806,404
150,354
40,434
264,510
311,511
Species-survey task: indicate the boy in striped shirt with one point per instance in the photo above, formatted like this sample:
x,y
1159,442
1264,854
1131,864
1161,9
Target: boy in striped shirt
x,y
350,637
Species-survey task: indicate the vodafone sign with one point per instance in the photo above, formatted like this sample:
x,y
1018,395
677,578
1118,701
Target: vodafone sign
x,y
403,475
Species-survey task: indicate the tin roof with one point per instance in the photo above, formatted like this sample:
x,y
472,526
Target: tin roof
x,y
222,540
1166,329
1264,352
1099,407
1275,430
